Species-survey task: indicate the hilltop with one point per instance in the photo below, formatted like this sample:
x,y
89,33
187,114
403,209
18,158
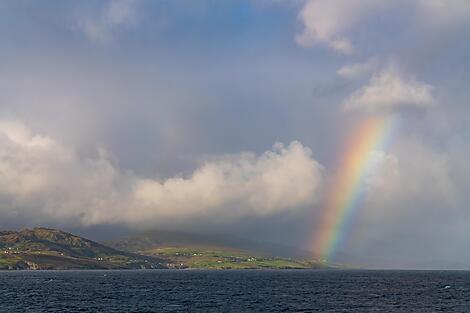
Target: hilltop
x,y
44,248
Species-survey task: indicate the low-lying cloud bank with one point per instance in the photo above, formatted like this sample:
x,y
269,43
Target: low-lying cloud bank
x,y
42,180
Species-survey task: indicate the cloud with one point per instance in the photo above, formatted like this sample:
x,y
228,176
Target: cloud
x,y
330,22
442,12
416,201
358,69
116,14
389,91
414,165
383,167
42,180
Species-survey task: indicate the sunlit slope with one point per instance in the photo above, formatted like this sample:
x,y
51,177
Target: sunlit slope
x,y
43,248
193,251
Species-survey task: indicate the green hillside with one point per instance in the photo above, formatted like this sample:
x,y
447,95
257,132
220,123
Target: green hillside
x,y
224,258
181,250
43,248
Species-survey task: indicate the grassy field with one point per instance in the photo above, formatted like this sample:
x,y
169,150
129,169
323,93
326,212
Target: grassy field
x,y
7,260
213,258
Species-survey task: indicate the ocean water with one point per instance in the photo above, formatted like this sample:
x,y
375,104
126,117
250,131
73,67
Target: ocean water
x,y
235,291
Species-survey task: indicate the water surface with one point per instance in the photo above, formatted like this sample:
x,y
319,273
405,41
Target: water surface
x,y
235,291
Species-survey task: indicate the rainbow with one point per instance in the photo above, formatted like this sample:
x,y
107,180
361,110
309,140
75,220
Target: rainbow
x,y
346,193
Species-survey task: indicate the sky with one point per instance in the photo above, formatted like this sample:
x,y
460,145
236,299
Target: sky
x,y
233,117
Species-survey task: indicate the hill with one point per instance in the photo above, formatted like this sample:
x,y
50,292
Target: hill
x,y
184,250
159,238
44,248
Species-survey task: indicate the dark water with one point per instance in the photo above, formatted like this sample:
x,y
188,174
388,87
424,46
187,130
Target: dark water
x,y
235,291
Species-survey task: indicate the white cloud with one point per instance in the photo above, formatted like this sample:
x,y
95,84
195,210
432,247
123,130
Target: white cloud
x,y
44,181
116,14
358,69
279,180
330,22
389,91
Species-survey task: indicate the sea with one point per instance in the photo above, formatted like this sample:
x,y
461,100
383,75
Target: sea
x,y
235,291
